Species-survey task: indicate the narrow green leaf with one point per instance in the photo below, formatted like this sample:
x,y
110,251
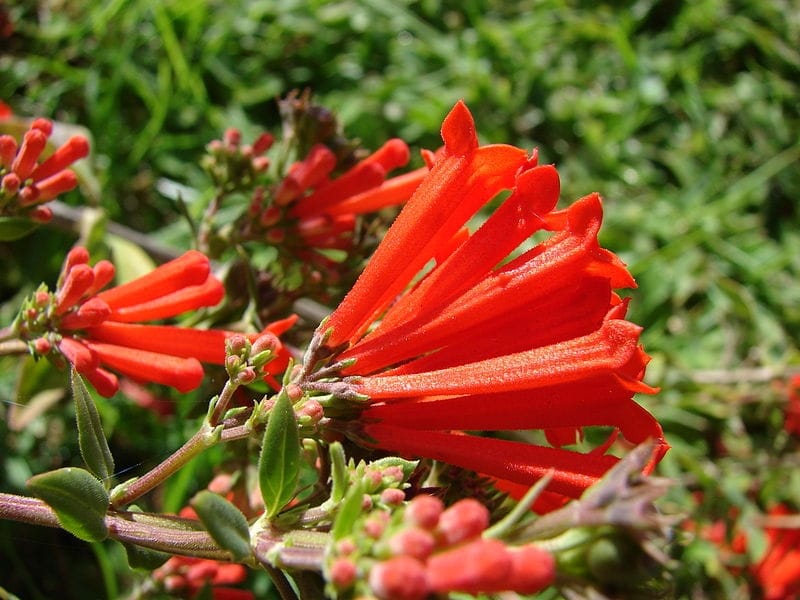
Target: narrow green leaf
x,y
279,463
78,498
340,478
224,522
349,510
91,438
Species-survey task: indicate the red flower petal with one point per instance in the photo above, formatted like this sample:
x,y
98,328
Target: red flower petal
x,y
192,268
184,374
460,182
602,351
192,297
514,461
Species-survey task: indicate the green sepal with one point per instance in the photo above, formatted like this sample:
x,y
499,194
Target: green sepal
x,y
407,466
224,522
279,463
79,500
349,511
13,228
91,438
340,477
144,558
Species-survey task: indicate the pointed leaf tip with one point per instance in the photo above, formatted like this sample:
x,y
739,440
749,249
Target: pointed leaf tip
x,y
91,438
458,130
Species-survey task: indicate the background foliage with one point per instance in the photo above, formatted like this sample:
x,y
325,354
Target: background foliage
x,y
684,115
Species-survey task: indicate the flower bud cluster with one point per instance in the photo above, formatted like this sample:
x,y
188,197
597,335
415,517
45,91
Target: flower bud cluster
x,y
235,166
423,548
25,183
245,360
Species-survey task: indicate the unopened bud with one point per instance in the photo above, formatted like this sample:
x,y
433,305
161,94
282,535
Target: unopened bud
x,y
343,573
246,376
393,496
424,511
464,520
276,235
399,578
266,341
237,345
10,184
42,346
232,137
413,541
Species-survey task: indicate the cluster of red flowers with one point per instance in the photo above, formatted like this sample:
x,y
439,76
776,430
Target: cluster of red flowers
x,y
94,329
25,183
439,550
310,209
486,341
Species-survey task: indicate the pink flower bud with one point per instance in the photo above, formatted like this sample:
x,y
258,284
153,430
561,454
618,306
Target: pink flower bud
x,y
343,572
464,520
42,346
265,341
260,164
393,496
399,578
294,391
236,344
232,137
375,524
246,376
413,541
424,511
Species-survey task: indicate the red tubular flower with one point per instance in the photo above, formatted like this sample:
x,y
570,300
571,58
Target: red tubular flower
x,y
25,183
488,341
778,572
94,330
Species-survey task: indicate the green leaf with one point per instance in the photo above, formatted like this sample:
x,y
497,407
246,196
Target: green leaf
x,y
144,558
129,259
226,523
13,228
78,498
91,438
279,463
349,511
340,478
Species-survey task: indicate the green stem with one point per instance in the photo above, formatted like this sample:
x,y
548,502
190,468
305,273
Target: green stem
x,y
126,493
222,403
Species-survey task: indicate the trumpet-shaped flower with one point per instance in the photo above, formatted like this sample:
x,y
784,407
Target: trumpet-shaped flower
x,y
490,337
98,330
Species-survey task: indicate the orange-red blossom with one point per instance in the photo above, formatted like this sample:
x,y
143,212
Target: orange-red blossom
x,y
100,330
491,340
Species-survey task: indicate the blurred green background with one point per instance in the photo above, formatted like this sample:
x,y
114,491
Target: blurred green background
x,y
684,115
